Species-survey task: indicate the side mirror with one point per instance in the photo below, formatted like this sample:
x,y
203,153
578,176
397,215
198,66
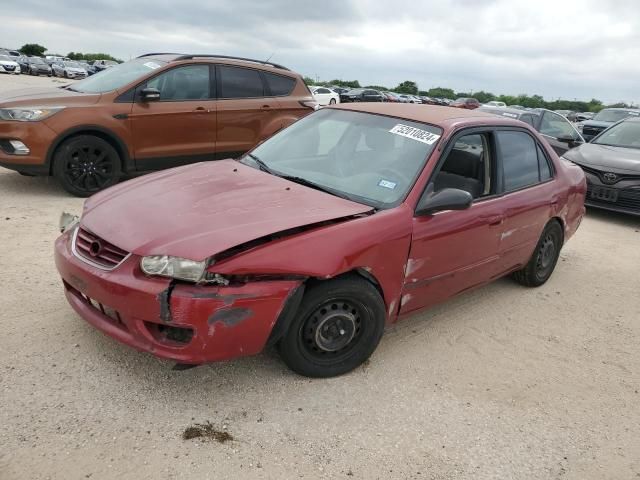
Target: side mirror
x,y
150,94
445,199
569,140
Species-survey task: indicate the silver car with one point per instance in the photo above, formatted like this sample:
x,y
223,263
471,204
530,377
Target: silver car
x,y
68,70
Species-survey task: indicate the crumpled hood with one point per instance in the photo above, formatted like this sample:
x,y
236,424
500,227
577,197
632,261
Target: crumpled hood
x,y
199,210
45,96
604,157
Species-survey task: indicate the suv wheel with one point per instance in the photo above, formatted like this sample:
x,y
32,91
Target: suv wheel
x,y
86,164
337,327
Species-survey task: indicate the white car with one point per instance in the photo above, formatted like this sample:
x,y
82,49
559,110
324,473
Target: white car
x,y
496,104
325,96
7,65
69,69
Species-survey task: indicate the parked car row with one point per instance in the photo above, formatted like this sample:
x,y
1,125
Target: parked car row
x,y
51,65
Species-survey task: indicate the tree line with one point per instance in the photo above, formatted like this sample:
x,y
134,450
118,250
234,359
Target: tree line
x,y
531,101
36,50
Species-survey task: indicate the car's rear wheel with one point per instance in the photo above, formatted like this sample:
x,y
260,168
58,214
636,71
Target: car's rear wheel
x,y
86,164
337,327
544,258
332,101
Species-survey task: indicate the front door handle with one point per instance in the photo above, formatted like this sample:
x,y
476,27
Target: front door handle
x,y
494,220
201,110
265,108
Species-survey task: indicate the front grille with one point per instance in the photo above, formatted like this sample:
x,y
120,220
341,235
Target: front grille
x,y
628,198
9,67
601,175
96,251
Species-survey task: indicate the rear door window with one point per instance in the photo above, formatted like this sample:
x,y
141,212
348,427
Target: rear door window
x,y
238,82
281,85
519,156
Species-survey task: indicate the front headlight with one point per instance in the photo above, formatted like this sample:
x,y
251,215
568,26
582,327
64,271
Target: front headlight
x,y
28,114
173,267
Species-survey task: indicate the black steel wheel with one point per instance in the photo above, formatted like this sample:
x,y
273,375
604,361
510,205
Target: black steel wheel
x,y
86,164
544,258
337,327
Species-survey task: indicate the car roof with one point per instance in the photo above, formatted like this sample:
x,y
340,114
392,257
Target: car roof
x,y
177,57
434,115
622,109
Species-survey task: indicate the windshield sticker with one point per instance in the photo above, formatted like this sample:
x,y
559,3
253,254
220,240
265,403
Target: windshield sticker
x,y
387,183
635,114
511,115
152,65
415,134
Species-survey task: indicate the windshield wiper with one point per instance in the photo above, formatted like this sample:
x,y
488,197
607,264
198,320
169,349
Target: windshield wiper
x,y
263,166
322,188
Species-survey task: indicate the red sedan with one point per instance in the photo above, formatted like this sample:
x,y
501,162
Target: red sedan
x,y
345,222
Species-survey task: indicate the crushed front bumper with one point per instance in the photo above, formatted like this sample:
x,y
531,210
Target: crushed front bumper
x,y
182,322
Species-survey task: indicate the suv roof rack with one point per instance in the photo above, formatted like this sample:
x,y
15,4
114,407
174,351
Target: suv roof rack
x,y
229,57
206,55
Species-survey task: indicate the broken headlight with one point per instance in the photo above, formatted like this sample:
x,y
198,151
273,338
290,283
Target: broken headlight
x,y
173,267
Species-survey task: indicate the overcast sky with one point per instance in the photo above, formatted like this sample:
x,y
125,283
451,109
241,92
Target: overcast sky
x,y
556,48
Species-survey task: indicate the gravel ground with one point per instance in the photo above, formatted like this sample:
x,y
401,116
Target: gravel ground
x,y
502,382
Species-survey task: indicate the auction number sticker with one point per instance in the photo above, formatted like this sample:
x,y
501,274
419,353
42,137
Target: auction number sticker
x,y
415,134
152,65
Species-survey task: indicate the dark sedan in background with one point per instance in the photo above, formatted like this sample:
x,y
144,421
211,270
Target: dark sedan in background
x,y
604,119
555,128
37,66
611,163
361,95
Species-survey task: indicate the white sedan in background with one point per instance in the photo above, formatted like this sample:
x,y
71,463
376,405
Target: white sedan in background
x,y
8,65
325,96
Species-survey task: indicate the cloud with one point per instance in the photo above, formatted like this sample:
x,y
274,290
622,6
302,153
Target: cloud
x,y
572,49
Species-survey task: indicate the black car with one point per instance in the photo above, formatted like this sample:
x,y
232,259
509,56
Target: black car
x,y
604,119
37,66
558,131
611,163
361,95
89,68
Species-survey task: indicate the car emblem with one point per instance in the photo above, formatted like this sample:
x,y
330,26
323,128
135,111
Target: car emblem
x,y
95,248
610,177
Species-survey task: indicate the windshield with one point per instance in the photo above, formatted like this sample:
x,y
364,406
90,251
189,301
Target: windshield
x,y
36,60
624,134
117,76
368,158
5,58
72,64
613,115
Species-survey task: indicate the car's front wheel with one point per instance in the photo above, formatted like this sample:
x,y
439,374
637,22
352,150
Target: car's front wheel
x,y
544,258
337,327
86,164
332,101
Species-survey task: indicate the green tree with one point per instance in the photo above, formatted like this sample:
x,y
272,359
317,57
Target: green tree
x,y
345,83
407,87
92,56
33,50
380,88
440,92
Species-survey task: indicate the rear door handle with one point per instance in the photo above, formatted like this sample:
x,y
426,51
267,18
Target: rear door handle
x,y
265,107
200,110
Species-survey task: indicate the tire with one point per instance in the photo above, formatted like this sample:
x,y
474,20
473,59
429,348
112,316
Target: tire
x,y
86,164
332,101
65,74
25,174
544,258
337,327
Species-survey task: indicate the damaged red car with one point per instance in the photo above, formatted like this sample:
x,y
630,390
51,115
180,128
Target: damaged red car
x,y
336,227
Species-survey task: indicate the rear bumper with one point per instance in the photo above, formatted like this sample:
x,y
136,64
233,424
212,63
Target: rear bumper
x,y
223,322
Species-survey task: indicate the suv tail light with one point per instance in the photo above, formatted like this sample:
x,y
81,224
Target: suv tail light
x,y
312,104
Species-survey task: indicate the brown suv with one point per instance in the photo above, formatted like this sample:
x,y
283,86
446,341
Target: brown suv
x,y
154,112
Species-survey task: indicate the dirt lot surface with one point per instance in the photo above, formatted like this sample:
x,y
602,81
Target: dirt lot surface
x,y
504,382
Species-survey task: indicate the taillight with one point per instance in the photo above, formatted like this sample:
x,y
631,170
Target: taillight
x,y
312,104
